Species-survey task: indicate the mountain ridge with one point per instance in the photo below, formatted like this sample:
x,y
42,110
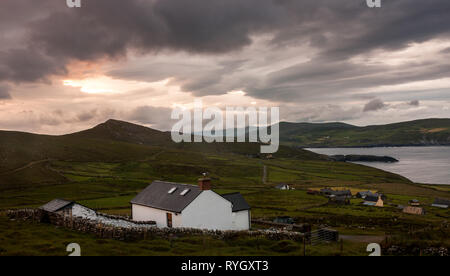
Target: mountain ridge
x,y
424,132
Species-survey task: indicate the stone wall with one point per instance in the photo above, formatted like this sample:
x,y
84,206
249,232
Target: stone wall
x,y
296,227
138,233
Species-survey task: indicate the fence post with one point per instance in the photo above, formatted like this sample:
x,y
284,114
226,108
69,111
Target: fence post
x,y
304,246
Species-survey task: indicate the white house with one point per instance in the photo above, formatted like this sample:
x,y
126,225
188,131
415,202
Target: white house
x,y
181,205
283,187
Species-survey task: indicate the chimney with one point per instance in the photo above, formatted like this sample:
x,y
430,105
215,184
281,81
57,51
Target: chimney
x,y
204,183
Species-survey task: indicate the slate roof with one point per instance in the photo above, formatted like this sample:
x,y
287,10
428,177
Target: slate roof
x,y
156,195
342,193
238,201
371,198
364,194
55,205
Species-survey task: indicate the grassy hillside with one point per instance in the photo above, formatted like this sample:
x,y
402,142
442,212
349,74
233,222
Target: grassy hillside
x,y
119,159
105,167
414,133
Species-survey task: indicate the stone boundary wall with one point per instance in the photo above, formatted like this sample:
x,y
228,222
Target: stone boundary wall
x,y
139,233
296,227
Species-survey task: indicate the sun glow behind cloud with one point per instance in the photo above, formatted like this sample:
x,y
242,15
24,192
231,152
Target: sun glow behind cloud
x,y
107,85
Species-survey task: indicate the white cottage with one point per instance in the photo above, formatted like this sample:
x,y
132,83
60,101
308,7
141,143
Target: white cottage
x,y
181,205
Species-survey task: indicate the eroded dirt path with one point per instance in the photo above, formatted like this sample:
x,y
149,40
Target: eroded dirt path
x,y
362,239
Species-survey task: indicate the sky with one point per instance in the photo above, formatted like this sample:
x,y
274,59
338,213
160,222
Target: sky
x,y
67,69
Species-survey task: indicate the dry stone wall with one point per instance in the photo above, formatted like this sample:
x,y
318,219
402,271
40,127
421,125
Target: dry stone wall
x,y
137,233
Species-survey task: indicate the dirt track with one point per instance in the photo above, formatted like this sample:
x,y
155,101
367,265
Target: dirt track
x,y
362,239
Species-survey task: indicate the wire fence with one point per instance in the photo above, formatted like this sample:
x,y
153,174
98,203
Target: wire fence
x,y
320,236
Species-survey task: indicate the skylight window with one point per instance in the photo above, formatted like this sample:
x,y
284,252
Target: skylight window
x,y
185,192
171,191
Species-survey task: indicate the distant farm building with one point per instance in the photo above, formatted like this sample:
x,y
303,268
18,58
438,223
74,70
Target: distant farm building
x,y
373,201
365,194
414,202
283,186
339,200
64,207
330,192
441,203
414,210
343,193
189,206
284,220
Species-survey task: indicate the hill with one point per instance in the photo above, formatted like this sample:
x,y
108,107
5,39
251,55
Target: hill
x,y
116,158
106,166
428,132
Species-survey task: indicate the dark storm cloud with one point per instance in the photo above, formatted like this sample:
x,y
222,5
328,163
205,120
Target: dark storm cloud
x,y
339,30
27,65
110,27
309,80
374,105
4,92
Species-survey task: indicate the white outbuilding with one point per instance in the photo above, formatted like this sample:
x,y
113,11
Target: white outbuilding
x,y
189,206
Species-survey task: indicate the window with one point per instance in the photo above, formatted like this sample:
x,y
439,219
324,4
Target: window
x,y
171,191
185,192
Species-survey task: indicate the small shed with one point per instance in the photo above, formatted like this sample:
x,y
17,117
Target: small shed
x,y
284,220
414,210
441,203
59,206
283,186
363,194
342,193
339,200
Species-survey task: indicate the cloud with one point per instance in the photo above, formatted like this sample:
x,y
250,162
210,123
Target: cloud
x,y
414,103
113,28
446,51
28,65
157,117
327,56
4,92
374,105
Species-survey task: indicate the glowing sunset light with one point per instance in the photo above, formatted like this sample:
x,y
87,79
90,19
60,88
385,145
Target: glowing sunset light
x,y
107,85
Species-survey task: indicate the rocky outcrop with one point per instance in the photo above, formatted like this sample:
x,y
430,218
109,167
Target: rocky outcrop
x,y
363,158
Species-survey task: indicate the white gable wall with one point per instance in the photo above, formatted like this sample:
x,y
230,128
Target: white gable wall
x,y
241,220
208,211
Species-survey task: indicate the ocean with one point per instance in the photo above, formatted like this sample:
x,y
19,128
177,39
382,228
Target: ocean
x,y
429,165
